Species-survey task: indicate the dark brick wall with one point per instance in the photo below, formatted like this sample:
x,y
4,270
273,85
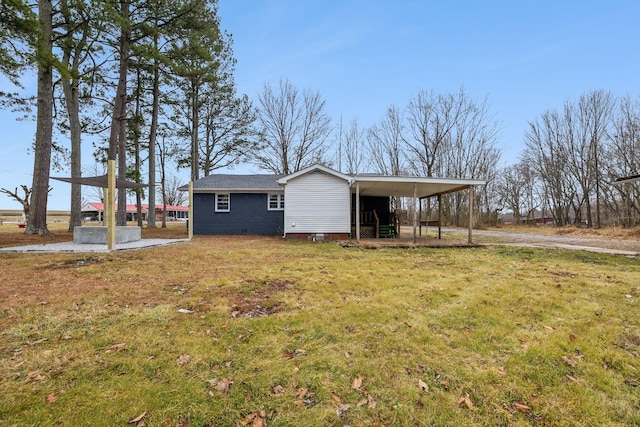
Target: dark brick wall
x,y
248,216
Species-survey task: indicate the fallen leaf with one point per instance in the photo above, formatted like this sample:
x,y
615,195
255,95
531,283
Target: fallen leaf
x,y
139,418
34,376
224,386
467,401
574,379
295,353
342,408
357,382
302,392
183,359
631,382
423,386
572,337
347,354
256,419
116,347
278,390
40,341
502,370
184,311
361,403
371,402
570,361
336,399
51,398
522,407
549,328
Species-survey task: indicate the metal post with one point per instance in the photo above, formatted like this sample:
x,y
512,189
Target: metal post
x,y
471,196
190,219
357,212
439,216
415,211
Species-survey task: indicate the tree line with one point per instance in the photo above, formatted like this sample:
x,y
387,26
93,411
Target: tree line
x,y
572,158
151,83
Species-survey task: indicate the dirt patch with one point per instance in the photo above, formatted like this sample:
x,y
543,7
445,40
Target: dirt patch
x,y
257,298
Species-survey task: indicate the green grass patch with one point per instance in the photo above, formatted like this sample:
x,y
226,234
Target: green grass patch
x,y
316,334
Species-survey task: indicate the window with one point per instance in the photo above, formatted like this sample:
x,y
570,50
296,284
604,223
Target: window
x,y
222,203
276,202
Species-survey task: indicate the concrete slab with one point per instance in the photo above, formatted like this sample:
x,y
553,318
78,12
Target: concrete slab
x,y
98,235
88,247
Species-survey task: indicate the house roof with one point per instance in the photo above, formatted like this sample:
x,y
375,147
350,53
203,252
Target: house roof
x,y
369,184
236,183
627,179
403,186
314,168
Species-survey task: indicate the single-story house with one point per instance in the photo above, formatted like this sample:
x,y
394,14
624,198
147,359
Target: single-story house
x,y
94,211
315,203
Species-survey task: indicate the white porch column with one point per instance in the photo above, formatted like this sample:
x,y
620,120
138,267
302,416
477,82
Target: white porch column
x,y
439,216
471,197
190,219
357,212
415,211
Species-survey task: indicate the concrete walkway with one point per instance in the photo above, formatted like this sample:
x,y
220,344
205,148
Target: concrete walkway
x,y
74,247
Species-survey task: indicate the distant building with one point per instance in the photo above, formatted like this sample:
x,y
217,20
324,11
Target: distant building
x,y
94,211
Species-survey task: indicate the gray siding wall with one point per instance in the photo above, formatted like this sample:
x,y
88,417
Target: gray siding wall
x,y
248,215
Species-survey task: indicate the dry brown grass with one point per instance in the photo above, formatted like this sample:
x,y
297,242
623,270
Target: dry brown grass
x,y
317,335
11,235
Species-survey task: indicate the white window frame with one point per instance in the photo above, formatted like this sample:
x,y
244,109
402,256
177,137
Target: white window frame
x,y
279,201
218,201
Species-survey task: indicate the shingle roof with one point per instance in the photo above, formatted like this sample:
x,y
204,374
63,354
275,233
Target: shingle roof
x,y
236,182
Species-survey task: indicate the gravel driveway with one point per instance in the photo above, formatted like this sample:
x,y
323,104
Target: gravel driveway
x,y
625,247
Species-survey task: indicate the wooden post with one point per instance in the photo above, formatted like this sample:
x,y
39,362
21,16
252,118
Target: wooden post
x,y
190,210
110,208
471,196
357,212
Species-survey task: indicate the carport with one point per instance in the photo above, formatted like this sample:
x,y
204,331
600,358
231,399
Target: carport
x,y
417,188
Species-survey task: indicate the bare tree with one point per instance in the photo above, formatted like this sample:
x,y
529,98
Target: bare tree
x,y
353,148
294,128
173,196
431,120
23,200
385,144
623,159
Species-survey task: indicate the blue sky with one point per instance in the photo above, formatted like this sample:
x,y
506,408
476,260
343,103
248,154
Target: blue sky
x,y
363,56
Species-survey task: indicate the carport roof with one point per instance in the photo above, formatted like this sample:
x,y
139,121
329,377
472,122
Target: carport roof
x,y
403,186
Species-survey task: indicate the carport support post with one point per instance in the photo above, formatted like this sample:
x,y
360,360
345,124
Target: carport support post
x,y
190,219
357,212
415,210
439,216
471,197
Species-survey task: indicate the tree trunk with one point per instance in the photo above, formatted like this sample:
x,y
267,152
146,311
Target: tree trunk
x,y
117,135
195,124
70,88
37,221
151,218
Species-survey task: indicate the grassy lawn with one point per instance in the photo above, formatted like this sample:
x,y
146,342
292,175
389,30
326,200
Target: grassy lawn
x,y
227,331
